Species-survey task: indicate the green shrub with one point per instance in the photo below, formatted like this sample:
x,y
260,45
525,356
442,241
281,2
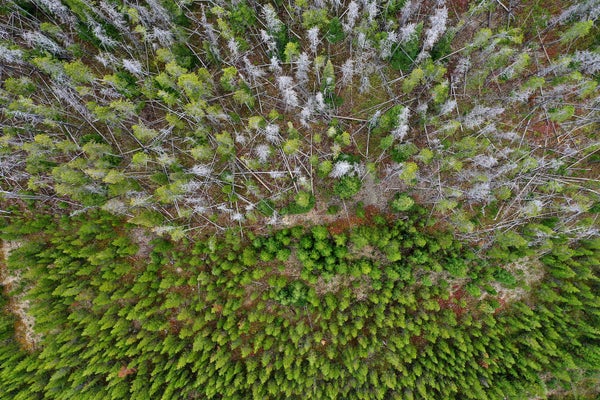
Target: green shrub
x,y
347,186
402,202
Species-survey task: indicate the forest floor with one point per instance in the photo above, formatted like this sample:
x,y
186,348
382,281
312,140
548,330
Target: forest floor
x,y
372,195
530,270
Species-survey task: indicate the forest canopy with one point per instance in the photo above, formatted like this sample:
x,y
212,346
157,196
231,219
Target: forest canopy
x,y
299,199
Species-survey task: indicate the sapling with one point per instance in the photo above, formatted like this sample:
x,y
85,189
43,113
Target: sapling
x,y
586,61
447,107
233,47
436,29
201,170
365,84
10,56
320,105
341,168
133,66
163,36
271,133
57,8
268,39
307,111
40,40
351,16
402,125
303,64
386,44
313,38
582,10
271,19
408,9
347,72
407,32
479,114
254,71
372,10
114,17
276,68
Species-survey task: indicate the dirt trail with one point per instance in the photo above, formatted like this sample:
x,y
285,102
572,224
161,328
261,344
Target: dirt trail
x,y
313,217
24,327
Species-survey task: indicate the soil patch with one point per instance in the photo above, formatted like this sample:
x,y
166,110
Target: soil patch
x,y
343,224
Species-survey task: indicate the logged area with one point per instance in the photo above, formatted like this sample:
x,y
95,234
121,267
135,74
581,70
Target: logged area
x,y
299,199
